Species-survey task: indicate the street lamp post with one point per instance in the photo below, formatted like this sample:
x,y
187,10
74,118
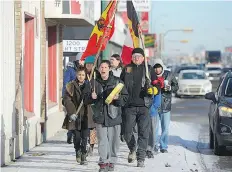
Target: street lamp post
x,y
161,37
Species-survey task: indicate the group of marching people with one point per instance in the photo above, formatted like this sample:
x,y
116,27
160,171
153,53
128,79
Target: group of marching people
x,y
133,115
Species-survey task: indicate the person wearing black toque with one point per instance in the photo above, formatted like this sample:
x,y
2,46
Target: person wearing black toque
x,y
136,110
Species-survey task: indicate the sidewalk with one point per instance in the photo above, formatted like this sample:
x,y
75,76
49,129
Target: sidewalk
x,y
57,156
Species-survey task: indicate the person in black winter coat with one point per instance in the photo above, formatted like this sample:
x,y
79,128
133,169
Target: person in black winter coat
x,y
107,116
136,110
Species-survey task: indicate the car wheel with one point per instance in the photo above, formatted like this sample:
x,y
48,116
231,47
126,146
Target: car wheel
x,y
211,140
218,150
177,95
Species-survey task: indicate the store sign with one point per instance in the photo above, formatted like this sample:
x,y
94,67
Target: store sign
x,y
140,5
149,40
228,49
74,45
144,23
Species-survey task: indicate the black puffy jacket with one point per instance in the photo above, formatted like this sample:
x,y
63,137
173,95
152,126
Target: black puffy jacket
x,y
108,115
166,100
136,84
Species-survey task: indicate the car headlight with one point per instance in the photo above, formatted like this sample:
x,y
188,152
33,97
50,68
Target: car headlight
x,y
225,111
183,85
207,85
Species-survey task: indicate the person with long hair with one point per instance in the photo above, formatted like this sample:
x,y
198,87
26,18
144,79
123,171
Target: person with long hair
x,y
116,65
80,123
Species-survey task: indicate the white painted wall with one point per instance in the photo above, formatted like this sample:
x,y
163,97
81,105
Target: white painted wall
x,y
32,129
7,79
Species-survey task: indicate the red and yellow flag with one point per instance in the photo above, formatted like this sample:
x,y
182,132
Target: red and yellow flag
x,y
101,32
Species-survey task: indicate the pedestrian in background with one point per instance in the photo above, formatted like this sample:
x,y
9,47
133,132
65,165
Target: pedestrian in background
x,y
89,62
107,116
116,65
69,75
170,87
78,123
154,118
137,108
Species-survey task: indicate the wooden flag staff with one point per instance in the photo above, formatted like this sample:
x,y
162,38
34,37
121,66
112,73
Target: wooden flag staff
x,y
145,58
98,53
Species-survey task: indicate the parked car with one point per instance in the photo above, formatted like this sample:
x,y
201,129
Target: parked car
x,y
220,116
224,71
193,83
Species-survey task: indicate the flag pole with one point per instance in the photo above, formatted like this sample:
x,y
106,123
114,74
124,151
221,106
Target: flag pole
x,y
145,58
98,54
99,50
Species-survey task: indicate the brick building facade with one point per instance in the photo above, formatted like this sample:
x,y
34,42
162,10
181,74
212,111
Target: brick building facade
x,y
32,70
33,119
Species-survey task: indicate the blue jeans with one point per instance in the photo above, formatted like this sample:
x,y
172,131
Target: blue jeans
x,y
153,132
165,121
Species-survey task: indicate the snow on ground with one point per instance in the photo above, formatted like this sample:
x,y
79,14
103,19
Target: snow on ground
x,y
58,156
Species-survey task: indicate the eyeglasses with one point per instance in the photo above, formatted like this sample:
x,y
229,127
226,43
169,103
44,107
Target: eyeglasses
x,y
136,56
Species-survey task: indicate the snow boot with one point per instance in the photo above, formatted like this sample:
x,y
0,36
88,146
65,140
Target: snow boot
x,y
111,167
163,151
103,168
140,163
78,156
131,156
149,154
83,159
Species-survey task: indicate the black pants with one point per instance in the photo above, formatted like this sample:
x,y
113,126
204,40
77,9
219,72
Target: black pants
x,y
80,140
139,115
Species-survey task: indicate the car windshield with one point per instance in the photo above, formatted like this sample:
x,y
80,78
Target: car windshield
x,y
213,68
228,91
194,75
178,70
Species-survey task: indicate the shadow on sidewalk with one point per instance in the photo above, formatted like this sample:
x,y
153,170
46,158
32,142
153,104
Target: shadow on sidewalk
x,y
193,146
190,145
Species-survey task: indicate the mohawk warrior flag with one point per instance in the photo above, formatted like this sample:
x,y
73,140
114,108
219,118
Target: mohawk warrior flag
x,y
132,38
102,31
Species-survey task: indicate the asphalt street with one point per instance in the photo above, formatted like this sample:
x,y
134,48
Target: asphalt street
x,y
195,110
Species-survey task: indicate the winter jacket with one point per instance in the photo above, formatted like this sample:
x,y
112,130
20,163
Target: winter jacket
x,y
69,75
73,96
136,84
107,115
166,100
156,105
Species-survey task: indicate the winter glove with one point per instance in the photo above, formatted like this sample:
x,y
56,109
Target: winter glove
x,y
152,91
159,81
73,117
